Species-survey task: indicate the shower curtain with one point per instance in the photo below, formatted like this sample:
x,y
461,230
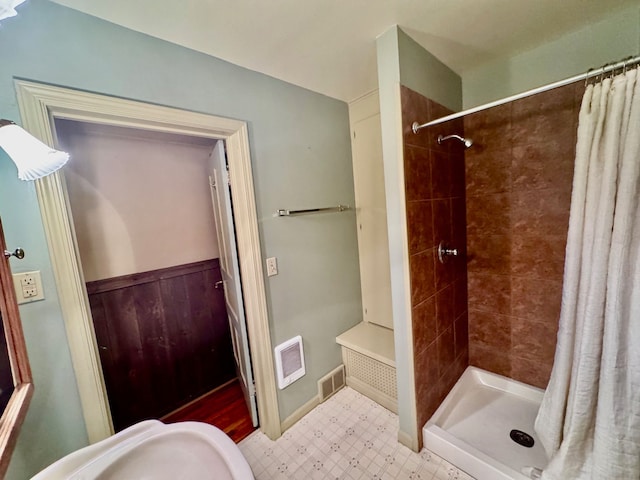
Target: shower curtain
x,y
589,420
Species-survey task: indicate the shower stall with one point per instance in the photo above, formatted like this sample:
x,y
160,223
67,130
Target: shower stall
x,y
485,427
505,210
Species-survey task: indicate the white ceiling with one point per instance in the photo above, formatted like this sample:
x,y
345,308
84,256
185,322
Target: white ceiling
x,y
328,46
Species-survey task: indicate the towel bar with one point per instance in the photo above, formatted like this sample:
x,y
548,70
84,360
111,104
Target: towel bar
x,y
292,213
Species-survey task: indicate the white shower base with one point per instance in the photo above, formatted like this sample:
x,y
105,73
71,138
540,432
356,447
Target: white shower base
x,y
471,427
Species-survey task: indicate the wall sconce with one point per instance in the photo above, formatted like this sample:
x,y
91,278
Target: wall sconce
x,y
7,8
33,158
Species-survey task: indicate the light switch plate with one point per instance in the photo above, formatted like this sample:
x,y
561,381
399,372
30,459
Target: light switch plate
x,y
272,266
28,287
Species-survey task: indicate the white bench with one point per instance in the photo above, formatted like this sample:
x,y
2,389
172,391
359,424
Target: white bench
x,y
368,354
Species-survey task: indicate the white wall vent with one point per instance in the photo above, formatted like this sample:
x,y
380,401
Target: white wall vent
x,y
289,361
331,383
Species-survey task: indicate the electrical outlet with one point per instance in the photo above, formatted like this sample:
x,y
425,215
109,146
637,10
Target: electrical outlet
x,y
28,286
29,291
272,266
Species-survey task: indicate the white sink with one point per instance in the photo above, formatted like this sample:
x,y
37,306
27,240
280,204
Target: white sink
x,y
155,451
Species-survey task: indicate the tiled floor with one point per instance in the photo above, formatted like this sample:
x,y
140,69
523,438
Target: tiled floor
x,y
347,437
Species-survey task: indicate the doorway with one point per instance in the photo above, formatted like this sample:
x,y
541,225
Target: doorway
x,y
39,106
147,242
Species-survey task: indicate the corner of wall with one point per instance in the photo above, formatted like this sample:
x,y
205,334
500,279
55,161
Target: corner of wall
x,y
391,122
611,39
424,73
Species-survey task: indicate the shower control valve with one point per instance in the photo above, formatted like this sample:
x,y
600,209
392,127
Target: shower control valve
x,y
444,252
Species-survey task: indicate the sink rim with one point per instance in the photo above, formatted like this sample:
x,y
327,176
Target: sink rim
x,y
96,459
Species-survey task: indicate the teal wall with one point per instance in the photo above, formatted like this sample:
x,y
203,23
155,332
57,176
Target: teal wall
x,y
425,74
606,41
301,158
54,424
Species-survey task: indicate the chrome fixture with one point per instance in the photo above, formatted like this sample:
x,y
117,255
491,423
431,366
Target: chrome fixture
x,y
444,252
467,142
623,64
282,212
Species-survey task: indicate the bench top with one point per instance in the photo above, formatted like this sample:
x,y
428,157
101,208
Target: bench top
x,y
371,340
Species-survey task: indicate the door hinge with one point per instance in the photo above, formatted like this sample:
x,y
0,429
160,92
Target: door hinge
x,y
252,389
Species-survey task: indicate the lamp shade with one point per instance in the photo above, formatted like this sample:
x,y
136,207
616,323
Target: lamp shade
x,y
33,158
7,8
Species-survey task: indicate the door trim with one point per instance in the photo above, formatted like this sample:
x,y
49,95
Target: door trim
x,y
39,105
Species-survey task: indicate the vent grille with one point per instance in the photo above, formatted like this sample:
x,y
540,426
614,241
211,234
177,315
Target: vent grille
x,y
330,383
326,388
289,361
372,372
338,379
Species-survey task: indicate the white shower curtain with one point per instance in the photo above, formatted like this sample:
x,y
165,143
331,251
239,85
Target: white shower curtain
x,y
589,421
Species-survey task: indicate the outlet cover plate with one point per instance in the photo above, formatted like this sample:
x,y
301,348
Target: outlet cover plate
x,y
272,266
28,287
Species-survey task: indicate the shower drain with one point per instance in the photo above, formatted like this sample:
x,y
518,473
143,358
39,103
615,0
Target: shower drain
x,y
522,438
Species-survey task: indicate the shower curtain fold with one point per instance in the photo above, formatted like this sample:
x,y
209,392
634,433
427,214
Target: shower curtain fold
x,y
589,420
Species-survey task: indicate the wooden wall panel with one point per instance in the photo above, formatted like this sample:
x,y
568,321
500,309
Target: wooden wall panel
x,y
164,339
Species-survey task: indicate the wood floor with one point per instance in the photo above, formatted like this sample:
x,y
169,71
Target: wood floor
x,y
224,408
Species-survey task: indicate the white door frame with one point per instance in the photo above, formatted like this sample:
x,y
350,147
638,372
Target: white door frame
x,y
39,105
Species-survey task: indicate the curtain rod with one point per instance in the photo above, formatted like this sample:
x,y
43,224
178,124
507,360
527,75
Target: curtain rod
x,y
416,127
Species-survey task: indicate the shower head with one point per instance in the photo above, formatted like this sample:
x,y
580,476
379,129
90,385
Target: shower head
x,y
467,142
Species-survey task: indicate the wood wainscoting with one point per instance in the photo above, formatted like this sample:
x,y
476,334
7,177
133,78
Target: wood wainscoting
x,y
163,337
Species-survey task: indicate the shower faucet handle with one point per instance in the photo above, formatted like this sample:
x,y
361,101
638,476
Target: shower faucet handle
x,y
444,252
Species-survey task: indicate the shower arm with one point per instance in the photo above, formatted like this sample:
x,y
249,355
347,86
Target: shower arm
x,y
466,141
457,137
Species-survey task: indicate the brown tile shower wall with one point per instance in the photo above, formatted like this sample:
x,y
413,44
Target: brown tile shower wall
x,y
518,191
435,202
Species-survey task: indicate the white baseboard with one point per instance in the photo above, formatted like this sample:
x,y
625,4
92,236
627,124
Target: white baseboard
x,y
408,441
377,396
292,419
